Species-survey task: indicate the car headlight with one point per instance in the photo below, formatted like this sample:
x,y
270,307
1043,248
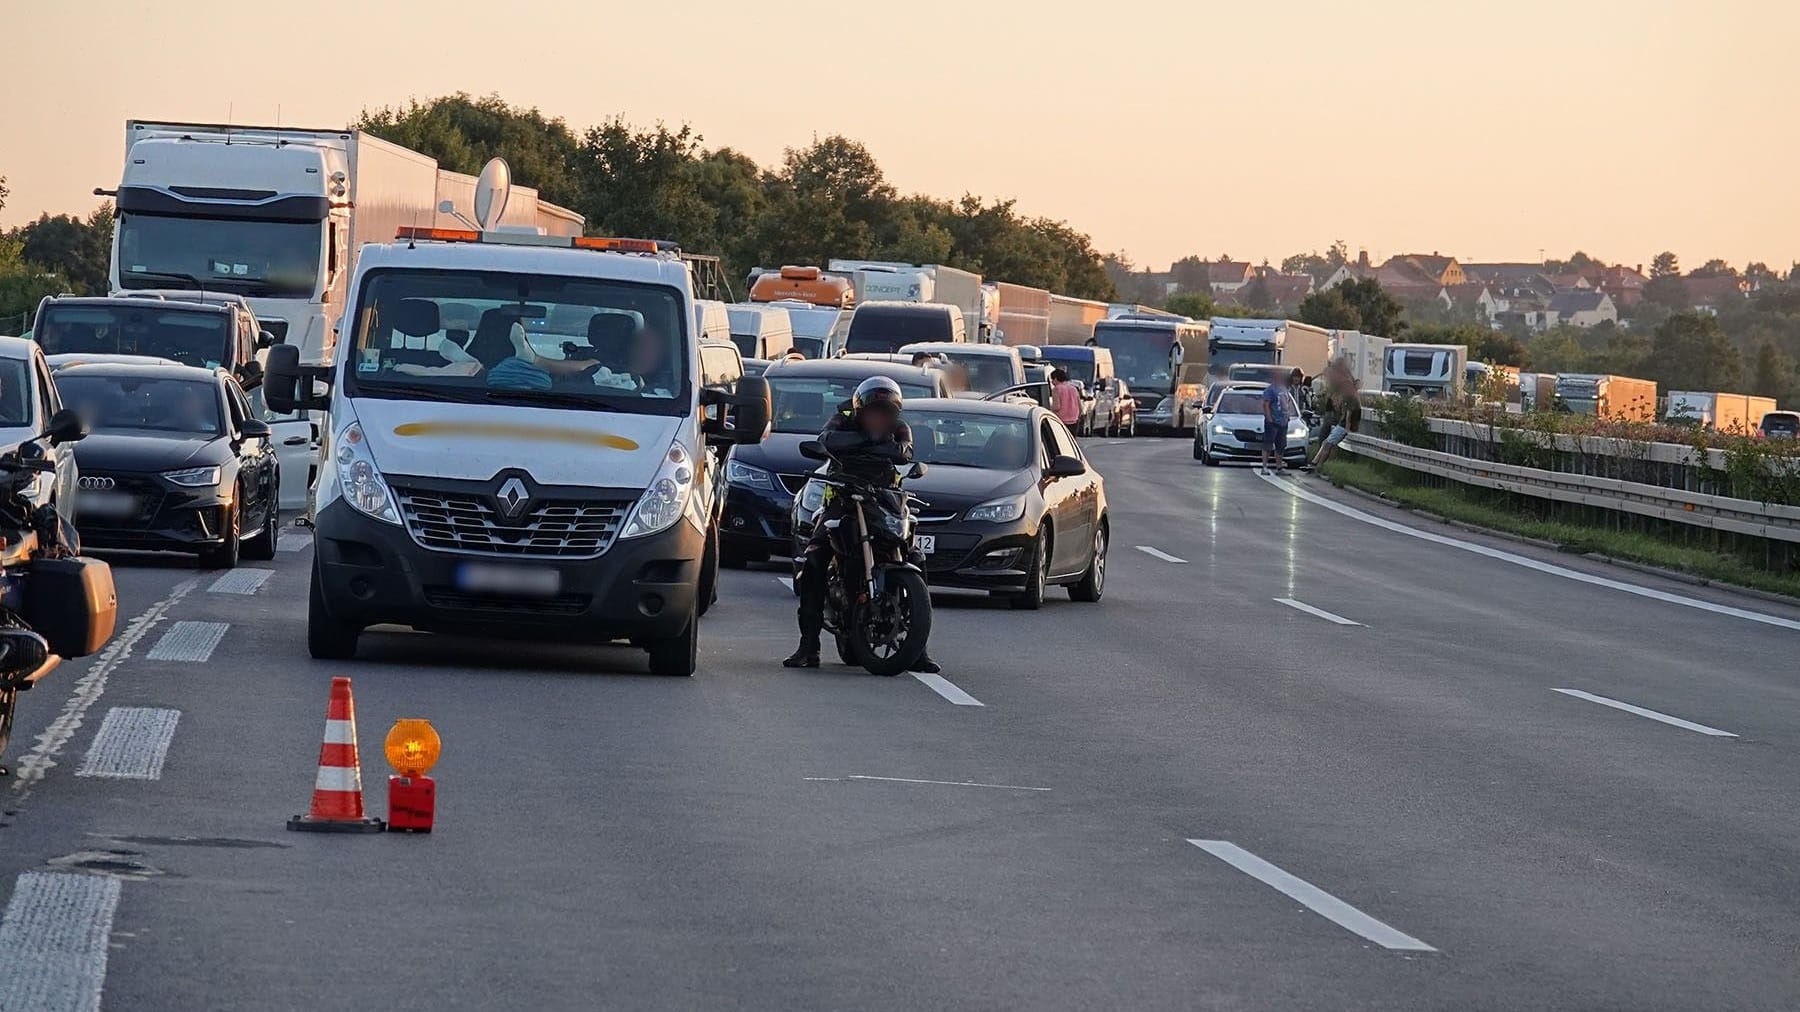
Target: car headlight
x,y
748,476
1297,429
667,497
1221,430
1164,406
358,479
194,477
999,511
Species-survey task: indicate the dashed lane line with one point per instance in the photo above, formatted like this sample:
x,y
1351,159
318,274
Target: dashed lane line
x,y
293,541
785,581
1312,897
131,744
1651,714
241,581
947,689
1315,612
188,641
1158,554
1529,563
55,934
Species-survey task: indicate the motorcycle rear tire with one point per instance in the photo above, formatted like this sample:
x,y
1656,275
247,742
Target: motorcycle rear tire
x,y
918,623
9,699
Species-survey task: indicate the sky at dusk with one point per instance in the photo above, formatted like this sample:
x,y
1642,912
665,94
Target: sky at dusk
x,y
1490,132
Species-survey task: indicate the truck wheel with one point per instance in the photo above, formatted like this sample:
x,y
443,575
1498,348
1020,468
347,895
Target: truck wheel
x,y
676,656
327,639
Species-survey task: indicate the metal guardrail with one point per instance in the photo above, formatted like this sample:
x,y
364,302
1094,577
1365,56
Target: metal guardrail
x,y
1737,516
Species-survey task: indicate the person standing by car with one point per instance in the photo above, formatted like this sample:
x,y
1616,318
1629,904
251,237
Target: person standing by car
x,y
1275,423
1343,410
1067,399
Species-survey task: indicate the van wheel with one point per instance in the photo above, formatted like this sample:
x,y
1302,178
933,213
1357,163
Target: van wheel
x,y
709,575
327,639
225,554
676,656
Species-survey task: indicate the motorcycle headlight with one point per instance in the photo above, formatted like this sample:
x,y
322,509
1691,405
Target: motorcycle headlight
x,y
999,511
193,477
358,479
667,497
748,476
812,497
1221,430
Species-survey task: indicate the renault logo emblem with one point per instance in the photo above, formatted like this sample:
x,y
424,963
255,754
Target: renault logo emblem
x,y
512,498
95,482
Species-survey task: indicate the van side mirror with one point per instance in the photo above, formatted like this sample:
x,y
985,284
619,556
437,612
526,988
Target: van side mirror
x,y
282,378
66,427
750,410
812,449
1065,467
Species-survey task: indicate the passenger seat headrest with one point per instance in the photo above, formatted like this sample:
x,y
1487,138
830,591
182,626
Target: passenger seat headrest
x,y
415,317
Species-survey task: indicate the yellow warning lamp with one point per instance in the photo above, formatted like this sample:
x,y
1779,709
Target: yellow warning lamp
x,y
413,746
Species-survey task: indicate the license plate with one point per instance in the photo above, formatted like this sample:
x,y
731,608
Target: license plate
x,y
519,581
927,543
107,505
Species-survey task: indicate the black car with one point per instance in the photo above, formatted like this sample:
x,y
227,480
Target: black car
x,y
761,480
206,330
176,462
1013,505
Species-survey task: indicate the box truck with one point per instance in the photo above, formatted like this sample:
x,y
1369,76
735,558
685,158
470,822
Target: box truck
x,y
1024,314
1721,412
1363,353
1072,320
278,214
1618,397
1239,341
887,281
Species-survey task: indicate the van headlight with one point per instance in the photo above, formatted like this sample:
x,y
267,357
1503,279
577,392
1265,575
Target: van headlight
x,y
667,497
358,479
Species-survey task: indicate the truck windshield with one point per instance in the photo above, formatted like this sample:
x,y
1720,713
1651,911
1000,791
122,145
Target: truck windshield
x,y
197,337
1141,357
1223,356
1081,370
878,329
278,259
481,336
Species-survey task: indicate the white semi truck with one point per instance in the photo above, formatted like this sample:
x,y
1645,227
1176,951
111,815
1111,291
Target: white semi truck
x,y
277,214
1242,341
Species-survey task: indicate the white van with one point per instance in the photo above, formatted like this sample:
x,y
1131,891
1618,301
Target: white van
x,y
761,331
545,475
712,320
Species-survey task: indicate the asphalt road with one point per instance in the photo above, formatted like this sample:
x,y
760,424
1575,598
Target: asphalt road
x,y
1191,795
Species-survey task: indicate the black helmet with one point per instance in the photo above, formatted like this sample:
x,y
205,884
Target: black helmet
x,y
877,391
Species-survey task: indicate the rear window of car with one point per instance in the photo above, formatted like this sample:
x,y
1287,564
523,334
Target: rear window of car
x,y
1784,423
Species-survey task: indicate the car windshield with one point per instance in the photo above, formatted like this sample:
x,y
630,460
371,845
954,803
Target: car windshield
x,y
15,392
803,404
114,403
960,439
266,258
1141,356
1241,402
534,339
196,337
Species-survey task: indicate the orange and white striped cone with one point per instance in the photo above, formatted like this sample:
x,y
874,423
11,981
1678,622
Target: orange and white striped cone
x,y
337,801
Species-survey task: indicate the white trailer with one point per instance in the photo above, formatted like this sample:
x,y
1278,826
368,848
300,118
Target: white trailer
x,y
1363,353
1244,341
885,280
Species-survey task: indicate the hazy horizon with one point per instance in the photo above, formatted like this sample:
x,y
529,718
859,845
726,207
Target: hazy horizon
x,y
1161,131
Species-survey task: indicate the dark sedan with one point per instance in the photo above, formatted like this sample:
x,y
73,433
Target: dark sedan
x,y
1014,505
176,462
761,479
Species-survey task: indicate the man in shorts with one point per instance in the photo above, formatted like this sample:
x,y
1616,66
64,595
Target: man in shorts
x,y
1275,424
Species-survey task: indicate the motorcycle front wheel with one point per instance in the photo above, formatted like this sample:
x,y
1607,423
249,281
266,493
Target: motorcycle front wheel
x,y
9,698
888,634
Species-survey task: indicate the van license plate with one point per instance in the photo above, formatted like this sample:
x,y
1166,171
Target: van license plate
x,y
517,581
927,543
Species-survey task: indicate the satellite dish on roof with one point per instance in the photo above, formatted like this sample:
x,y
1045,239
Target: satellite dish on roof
x,y
491,191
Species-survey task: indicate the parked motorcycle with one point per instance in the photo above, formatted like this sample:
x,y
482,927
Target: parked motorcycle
x,y
876,602
54,603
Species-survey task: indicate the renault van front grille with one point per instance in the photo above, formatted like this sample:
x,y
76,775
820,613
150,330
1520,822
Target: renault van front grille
x,y
550,528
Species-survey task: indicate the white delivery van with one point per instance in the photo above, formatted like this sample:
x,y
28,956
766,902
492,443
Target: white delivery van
x,y
712,320
761,331
545,475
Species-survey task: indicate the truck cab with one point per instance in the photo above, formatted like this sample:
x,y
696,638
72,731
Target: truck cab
x,y
547,473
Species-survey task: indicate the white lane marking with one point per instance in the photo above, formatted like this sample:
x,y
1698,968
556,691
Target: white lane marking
x,y
785,581
947,689
293,542
241,581
131,744
1165,556
188,641
55,935
938,783
1542,567
1652,714
1316,612
42,758
1312,897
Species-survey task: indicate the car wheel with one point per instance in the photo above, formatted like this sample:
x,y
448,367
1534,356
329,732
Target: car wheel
x,y
327,639
676,656
1033,597
225,554
261,548
1199,450
1131,433
1206,458
1093,583
709,575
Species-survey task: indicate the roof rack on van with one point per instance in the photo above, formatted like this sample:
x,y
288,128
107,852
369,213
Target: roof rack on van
x,y
414,234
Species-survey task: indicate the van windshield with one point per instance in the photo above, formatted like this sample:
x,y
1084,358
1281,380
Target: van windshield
x,y
197,337
874,329
491,336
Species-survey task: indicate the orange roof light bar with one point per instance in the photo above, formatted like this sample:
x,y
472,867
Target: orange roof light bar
x,y
415,233
617,245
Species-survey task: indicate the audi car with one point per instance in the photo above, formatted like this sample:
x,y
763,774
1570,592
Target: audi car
x,y
761,479
1012,504
176,461
1231,428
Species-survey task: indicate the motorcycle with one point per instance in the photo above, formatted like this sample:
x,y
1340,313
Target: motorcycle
x,y
54,603
877,605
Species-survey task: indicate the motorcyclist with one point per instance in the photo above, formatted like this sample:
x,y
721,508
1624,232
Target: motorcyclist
x,y
867,438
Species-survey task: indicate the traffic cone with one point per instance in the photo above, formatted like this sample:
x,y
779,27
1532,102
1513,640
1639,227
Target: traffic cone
x,y
337,801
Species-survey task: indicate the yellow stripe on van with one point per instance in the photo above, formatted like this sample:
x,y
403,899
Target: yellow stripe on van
x,y
528,433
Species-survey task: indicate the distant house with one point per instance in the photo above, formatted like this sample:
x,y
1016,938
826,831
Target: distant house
x,y
1583,307
1229,275
1707,294
1569,282
1474,295
1624,284
1441,269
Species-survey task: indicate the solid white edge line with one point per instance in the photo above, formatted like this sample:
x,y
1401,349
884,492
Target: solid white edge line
x,y
1315,612
1642,712
1529,563
1312,897
947,689
936,783
55,934
1158,554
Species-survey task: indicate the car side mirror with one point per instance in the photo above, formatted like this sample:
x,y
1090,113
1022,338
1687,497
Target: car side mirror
x,y
812,449
255,428
1065,467
750,410
916,471
66,427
